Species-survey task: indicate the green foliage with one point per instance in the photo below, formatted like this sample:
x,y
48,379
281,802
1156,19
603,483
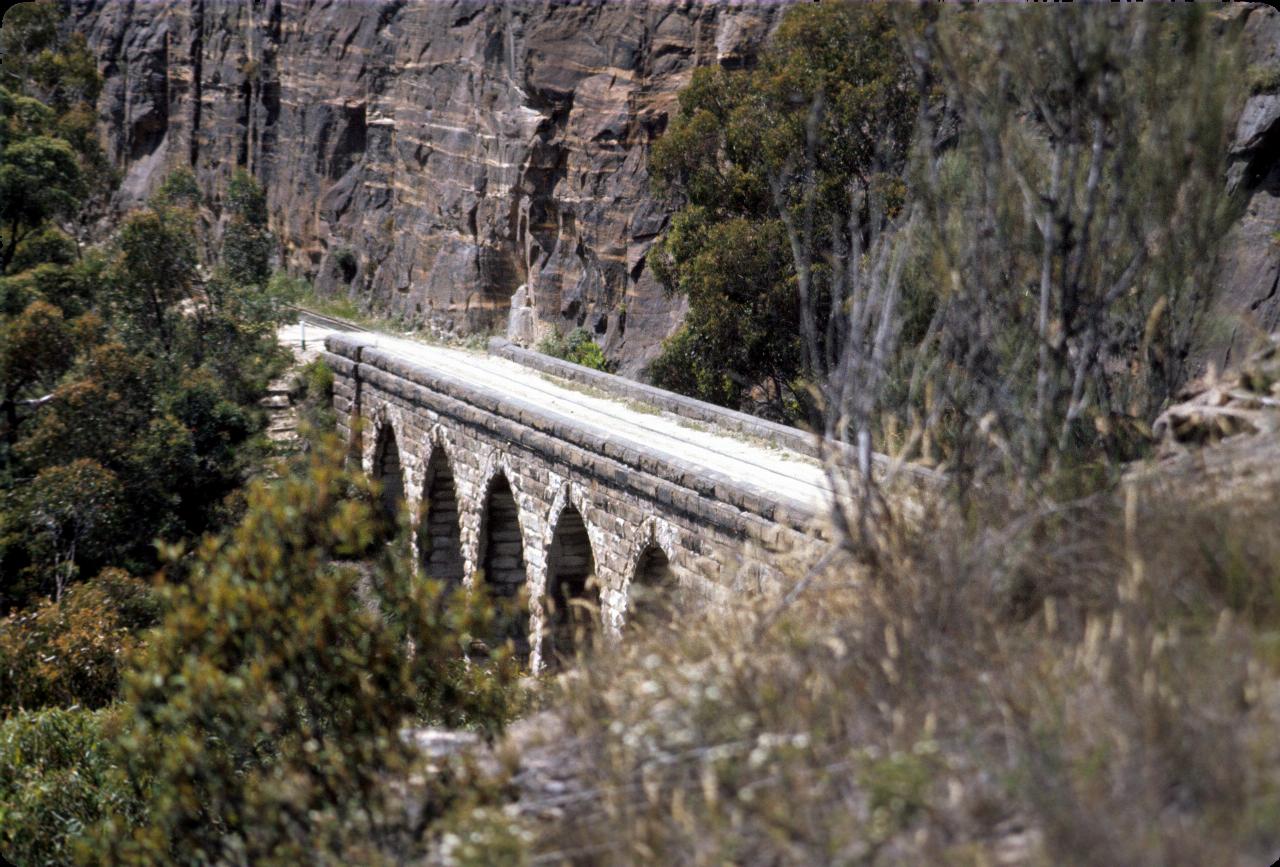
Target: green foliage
x,y
347,263
40,179
246,242
74,511
128,381
35,349
57,66
179,190
156,268
71,652
48,246
1263,77
135,603
57,777
314,399
50,161
833,72
266,710
1074,247
741,331
578,347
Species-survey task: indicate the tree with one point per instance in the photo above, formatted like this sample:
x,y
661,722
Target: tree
x,y
40,179
156,269
74,510
1072,226
247,243
35,348
833,83
264,717
49,87
55,65
67,652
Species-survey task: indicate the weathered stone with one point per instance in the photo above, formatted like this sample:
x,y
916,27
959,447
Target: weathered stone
x,y
629,500
428,159
1247,305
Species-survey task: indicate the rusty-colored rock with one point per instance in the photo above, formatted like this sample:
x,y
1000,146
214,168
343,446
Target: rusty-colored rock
x,y
457,149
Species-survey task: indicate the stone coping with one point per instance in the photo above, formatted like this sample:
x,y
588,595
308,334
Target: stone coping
x,y
780,435
357,350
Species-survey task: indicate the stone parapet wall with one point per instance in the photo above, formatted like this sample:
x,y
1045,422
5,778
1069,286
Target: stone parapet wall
x,y
780,435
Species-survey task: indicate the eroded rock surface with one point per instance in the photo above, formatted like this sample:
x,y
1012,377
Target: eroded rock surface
x,y
1248,304
432,157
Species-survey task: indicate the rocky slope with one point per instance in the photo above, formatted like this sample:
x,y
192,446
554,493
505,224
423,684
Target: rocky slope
x,y
430,157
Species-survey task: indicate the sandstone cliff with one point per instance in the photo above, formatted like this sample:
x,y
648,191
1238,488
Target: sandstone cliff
x,y
428,158
431,158
1248,303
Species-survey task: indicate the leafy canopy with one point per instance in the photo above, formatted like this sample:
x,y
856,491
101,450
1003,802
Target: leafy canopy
x,y
834,74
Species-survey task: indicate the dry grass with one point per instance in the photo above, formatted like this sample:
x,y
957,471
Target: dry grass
x,y
1089,684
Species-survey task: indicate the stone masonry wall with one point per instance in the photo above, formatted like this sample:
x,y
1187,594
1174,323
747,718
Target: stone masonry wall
x,y
630,500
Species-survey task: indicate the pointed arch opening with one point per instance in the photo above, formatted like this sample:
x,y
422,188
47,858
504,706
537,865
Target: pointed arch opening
x,y
388,472
653,594
502,559
439,533
572,600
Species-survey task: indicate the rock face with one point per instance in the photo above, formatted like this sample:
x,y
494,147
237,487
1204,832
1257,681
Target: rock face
x,y
1248,304
431,158
428,158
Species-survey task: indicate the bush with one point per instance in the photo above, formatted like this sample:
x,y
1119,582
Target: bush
x,y
344,258
578,348
135,602
57,777
314,397
1094,676
1037,368
266,709
71,652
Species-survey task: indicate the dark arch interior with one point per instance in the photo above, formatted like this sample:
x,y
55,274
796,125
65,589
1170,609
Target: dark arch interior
x,y
439,539
571,569
388,472
653,589
502,558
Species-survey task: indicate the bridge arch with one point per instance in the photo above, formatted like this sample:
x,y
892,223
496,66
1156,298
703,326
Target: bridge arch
x,y
571,600
652,587
439,534
388,469
509,455
501,556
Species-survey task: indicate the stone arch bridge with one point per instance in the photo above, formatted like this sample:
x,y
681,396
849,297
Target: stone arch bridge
x,y
561,485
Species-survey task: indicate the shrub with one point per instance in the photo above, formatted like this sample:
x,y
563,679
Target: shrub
x,y
57,777
266,709
1084,684
345,259
578,348
1263,77
314,397
1037,368
135,602
71,652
